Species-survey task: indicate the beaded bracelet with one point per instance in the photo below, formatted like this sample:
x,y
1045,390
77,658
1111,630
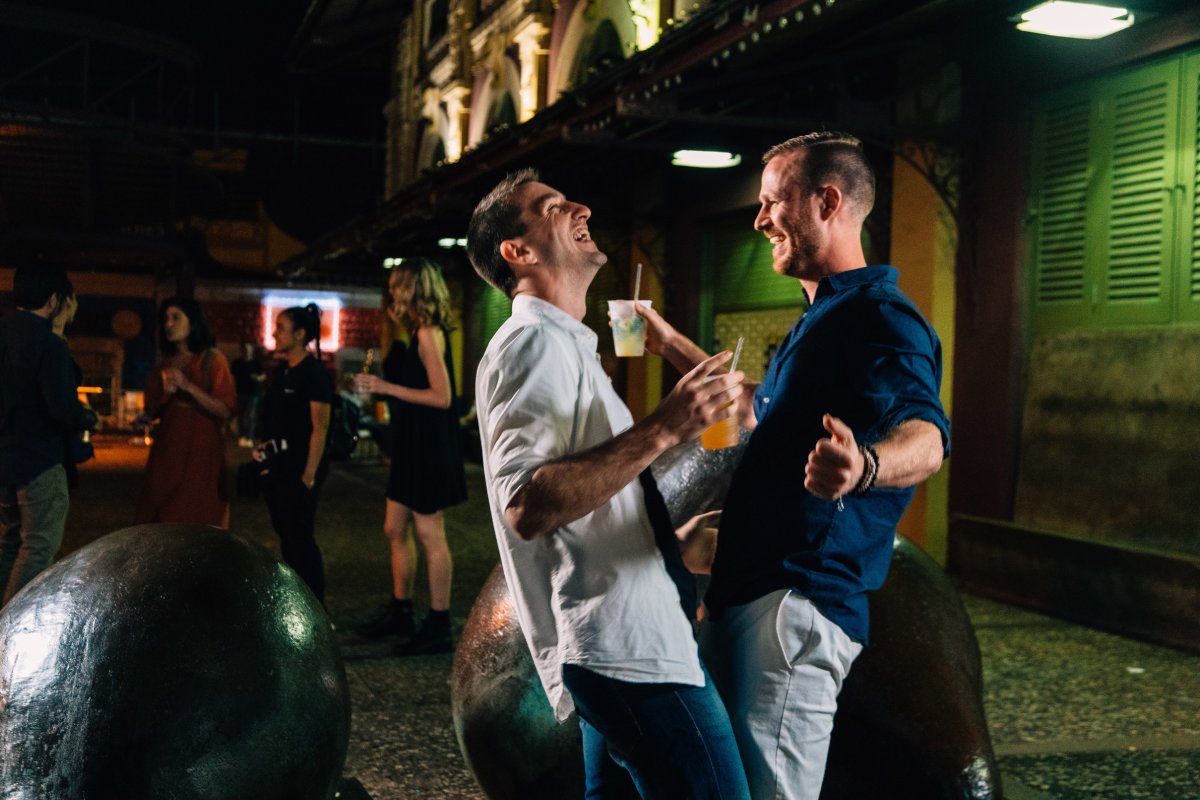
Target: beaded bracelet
x,y
870,471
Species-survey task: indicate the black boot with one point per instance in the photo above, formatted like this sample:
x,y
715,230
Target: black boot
x,y
395,617
433,637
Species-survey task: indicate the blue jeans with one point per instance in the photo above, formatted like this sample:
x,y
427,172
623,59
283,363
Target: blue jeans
x,y
32,519
655,740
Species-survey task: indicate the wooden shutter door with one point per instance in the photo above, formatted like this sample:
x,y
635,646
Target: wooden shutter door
x,y
1062,143
1135,207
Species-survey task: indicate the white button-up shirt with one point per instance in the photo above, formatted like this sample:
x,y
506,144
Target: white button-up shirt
x,y
595,592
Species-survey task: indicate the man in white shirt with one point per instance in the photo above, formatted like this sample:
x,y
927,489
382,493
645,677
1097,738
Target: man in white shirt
x,y
591,562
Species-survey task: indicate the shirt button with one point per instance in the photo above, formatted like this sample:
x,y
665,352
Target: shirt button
x,y
766,400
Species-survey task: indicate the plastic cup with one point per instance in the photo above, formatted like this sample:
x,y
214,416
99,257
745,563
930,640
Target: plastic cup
x,y
629,329
722,433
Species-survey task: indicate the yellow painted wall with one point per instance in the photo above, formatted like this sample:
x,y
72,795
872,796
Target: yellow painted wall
x,y
924,239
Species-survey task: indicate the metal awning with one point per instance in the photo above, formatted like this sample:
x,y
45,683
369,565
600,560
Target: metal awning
x,y
742,76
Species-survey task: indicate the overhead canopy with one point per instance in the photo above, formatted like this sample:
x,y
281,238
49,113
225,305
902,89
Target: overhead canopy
x,y
90,172
740,77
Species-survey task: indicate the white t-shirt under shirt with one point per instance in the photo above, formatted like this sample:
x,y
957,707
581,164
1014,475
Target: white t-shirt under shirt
x,y
595,592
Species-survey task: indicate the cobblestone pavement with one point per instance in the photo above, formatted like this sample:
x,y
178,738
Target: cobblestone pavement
x,y
1075,714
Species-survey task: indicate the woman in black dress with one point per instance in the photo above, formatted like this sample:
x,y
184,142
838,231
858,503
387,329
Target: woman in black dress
x,y
295,427
427,465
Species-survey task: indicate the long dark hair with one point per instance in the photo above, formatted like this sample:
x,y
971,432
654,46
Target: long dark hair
x,y
200,336
308,318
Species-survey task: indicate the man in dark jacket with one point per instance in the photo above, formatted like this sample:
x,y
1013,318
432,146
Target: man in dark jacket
x,y
38,407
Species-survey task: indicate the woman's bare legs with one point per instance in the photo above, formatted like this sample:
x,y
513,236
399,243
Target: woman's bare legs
x,y
431,533
403,549
396,616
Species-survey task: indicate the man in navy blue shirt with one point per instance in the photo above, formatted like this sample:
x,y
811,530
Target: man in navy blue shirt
x,y
845,423
38,407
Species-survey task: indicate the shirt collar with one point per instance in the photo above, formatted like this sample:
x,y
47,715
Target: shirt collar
x,y
840,281
32,316
529,306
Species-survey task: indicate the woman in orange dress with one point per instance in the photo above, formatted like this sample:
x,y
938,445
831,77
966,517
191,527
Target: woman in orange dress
x,y
192,392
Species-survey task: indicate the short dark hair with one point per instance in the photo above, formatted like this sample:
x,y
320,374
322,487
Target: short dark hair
x,y
200,336
35,284
832,157
496,218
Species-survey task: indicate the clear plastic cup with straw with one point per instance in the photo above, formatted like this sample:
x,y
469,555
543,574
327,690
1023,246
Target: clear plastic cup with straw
x,y
724,432
628,327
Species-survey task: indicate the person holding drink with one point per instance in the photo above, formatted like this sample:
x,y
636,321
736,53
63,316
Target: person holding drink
x,y
848,409
426,473
592,563
191,392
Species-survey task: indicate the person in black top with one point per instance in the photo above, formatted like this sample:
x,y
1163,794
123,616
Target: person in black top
x,y
248,380
427,465
295,427
38,408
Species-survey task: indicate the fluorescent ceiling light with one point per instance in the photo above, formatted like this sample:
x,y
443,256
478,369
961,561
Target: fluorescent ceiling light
x,y
389,263
450,242
1075,20
709,159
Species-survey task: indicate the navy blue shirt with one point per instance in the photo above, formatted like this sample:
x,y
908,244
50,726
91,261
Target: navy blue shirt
x,y
864,354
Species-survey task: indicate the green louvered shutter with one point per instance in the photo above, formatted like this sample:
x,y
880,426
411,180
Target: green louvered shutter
x,y
1139,117
1105,207
1061,171
1189,191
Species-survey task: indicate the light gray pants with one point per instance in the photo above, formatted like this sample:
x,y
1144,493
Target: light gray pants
x,y
779,665
32,519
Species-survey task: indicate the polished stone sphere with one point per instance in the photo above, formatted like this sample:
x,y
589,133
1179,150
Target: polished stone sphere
x,y
170,661
910,721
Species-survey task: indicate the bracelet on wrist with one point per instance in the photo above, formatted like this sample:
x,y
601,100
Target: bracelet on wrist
x,y
870,471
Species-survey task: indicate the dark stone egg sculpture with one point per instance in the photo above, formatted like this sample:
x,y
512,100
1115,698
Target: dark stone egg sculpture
x,y
170,661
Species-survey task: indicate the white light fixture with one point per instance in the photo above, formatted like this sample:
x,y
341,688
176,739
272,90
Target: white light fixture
x,y
331,316
389,263
1075,20
707,159
450,242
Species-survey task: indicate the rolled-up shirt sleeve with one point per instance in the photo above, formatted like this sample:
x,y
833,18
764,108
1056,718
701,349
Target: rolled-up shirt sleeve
x,y
528,395
901,359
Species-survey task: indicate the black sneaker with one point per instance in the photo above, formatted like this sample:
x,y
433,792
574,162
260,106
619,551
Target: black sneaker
x,y
394,617
432,638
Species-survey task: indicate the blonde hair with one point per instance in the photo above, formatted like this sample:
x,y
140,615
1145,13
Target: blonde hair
x,y
390,329
429,299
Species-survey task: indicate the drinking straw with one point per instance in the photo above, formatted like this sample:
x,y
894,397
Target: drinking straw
x,y
637,282
737,353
